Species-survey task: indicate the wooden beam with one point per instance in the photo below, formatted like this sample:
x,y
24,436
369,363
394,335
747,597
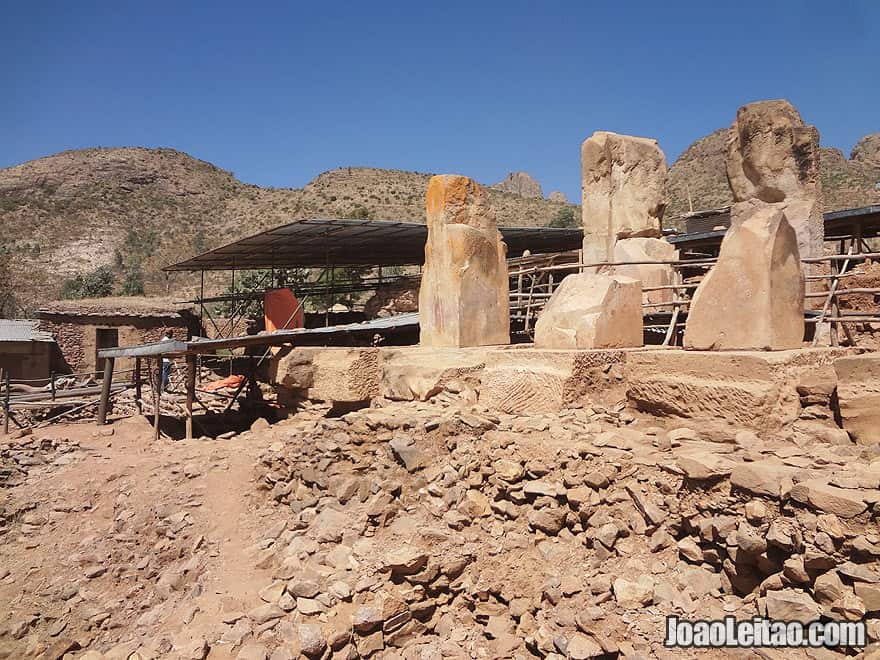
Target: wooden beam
x,y
4,376
190,393
157,395
105,390
138,393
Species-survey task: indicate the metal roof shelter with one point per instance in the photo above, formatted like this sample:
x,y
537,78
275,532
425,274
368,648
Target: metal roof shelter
x,y
317,242
858,224
17,331
190,349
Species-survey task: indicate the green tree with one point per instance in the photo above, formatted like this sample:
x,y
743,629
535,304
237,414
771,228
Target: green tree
x,y
97,284
564,218
255,281
133,284
361,213
8,302
342,278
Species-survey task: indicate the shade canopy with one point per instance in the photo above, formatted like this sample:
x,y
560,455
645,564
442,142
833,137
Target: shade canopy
x,y
318,242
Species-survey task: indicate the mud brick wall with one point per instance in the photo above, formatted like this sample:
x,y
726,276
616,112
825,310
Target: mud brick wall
x,y
76,337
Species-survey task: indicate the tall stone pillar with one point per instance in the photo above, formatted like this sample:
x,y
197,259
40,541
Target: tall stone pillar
x,y
773,157
624,191
754,296
464,294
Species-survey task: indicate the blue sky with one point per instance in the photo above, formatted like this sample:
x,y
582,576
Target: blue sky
x,y
278,92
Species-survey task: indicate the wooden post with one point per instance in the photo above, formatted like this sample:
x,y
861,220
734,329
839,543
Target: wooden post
x,y
105,390
52,383
835,308
137,386
5,401
190,393
157,395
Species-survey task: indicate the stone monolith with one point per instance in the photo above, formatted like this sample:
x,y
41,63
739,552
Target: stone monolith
x,y
624,191
591,310
753,298
464,293
773,157
651,275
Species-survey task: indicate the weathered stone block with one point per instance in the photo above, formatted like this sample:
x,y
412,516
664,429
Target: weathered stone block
x,y
624,191
328,374
543,381
591,311
420,372
753,298
858,393
773,157
747,389
650,275
464,294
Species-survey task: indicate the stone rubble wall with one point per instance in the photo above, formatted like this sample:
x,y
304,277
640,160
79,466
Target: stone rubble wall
x,y
417,526
758,390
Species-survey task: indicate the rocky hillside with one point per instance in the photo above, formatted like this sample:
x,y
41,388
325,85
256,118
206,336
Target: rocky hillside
x,y
520,183
71,212
700,173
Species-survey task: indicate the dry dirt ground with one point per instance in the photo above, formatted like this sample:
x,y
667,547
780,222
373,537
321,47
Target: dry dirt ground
x,y
83,538
426,531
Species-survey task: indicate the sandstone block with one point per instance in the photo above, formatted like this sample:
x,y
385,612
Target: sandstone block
x,y
791,605
843,502
536,381
624,191
754,296
749,389
592,311
858,392
650,275
634,594
418,373
328,374
772,156
464,293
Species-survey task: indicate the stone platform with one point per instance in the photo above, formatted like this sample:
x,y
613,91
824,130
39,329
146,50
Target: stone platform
x,y
759,390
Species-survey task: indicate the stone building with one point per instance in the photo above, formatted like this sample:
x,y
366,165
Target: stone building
x,y
25,351
81,327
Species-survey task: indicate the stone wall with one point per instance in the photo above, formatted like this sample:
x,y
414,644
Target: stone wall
x,y
76,337
758,390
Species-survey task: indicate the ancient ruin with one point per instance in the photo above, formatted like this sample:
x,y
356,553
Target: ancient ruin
x,y
463,299
624,191
754,297
530,480
650,275
773,157
592,311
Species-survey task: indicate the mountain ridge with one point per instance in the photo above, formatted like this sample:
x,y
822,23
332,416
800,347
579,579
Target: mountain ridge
x,y
69,212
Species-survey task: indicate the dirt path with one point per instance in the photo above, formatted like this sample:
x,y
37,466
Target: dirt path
x,y
128,542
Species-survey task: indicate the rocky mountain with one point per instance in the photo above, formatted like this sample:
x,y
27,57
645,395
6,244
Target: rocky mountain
x,y
134,207
699,177
520,183
140,209
867,150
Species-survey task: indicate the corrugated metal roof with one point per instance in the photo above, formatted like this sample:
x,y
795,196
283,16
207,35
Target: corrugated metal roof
x,y
317,242
22,331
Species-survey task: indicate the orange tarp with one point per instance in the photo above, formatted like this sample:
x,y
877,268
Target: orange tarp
x,y
282,310
230,381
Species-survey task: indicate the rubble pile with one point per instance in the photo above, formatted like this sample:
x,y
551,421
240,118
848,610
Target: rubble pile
x,y
416,529
21,452
108,561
